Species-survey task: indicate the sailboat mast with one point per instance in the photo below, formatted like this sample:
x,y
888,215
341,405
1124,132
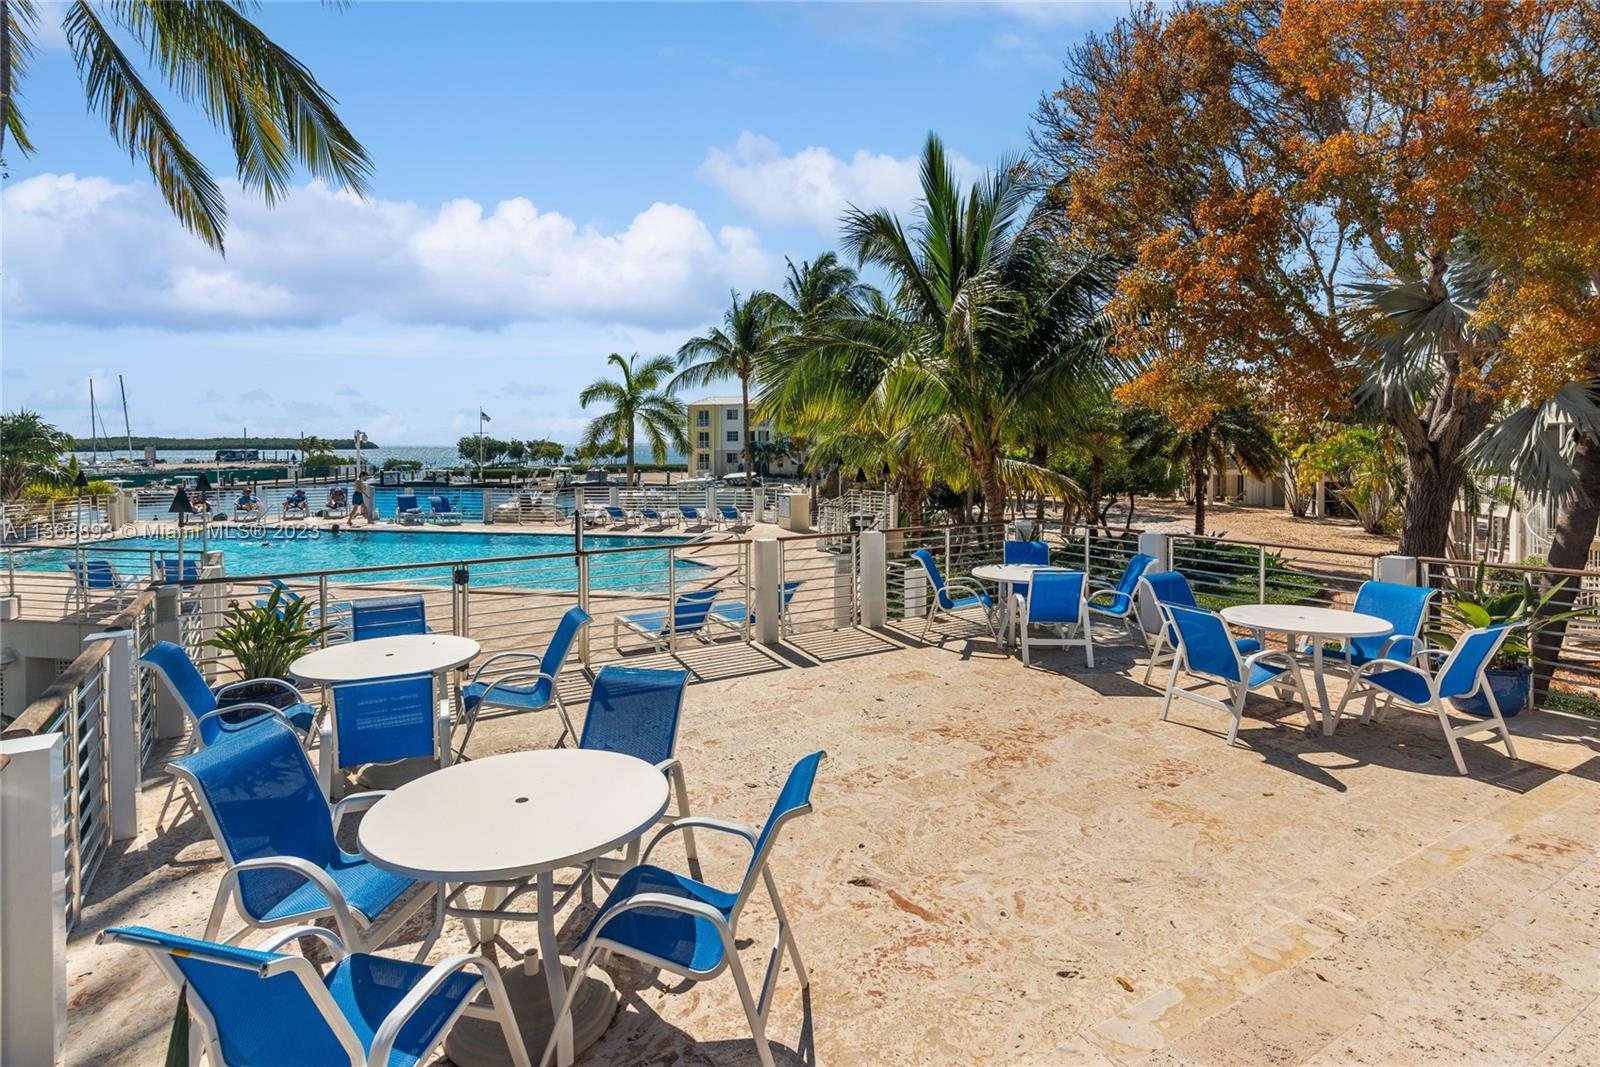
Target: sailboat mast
x,y
127,428
94,443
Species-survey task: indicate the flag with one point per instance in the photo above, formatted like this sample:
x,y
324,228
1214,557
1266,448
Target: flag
x,y
484,416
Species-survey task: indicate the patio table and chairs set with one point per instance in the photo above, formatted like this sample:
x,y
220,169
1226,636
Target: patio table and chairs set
x,y
1377,645
445,837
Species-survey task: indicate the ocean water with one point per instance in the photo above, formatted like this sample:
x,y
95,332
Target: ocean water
x,y
427,455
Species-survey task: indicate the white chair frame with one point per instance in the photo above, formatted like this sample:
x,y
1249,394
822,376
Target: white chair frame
x,y
1237,691
1021,606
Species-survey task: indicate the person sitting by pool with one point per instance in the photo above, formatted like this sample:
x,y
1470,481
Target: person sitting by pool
x,y
247,506
338,501
297,504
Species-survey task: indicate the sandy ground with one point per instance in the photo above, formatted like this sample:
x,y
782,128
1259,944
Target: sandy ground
x,y
1271,525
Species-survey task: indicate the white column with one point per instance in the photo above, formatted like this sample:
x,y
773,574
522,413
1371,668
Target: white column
x,y
169,713
123,733
1320,506
1158,545
711,501
1402,570
916,592
488,506
766,583
874,580
33,900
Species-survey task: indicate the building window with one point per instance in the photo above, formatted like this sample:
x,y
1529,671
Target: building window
x,y
702,462
733,437
732,415
761,435
704,440
733,457
702,418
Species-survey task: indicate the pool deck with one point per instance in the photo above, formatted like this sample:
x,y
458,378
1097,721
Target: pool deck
x,y
1028,866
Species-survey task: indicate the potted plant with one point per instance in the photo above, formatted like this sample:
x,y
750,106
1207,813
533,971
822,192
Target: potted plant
x,y
1510,673
262,640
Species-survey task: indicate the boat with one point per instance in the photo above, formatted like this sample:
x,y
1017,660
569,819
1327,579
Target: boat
x,y
551,478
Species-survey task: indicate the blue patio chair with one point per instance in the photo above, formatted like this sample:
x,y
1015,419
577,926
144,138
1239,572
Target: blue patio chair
x,y
1167,589
279,838
248,507
530,686
689,514
442,511
682,925
211,721
636,711
944,602
382,721
1117,601
731,515
1057,601
734,614
295,505
616,514
407,511
1208,650
258,1006
388,616
688,617
176,571
1459,676
653,516
91,576
1405,607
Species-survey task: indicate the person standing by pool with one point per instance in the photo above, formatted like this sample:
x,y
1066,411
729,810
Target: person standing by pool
x,y
361,502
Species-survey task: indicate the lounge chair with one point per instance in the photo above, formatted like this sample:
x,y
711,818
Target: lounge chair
x,y
1168,589
176,571
338,504
91,577
382,721
278,836
442,511
636,711
296,506
1117,601
687,617
388,616
531,686
1460,675
731,515
1405,607
618,517
248,508
1055,599
1208,650
651,515
407,512
680,924
691,515
258,1005
734,614
943,602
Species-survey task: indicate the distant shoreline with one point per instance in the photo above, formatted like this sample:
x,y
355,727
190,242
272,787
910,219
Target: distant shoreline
x,y
121,443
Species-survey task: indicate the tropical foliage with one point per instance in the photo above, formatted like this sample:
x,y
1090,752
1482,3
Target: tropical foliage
x,y
637,400
30,452
748,337
263,639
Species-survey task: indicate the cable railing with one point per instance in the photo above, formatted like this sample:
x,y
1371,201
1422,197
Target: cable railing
x,y
820,583
1224,573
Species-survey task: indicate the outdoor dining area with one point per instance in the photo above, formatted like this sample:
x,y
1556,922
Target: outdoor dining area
x,y
507,839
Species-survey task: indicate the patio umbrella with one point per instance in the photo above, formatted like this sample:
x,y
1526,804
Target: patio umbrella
x,y
202,485
80,483
181,505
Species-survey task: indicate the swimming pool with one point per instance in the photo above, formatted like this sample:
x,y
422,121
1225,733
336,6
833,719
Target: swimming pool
x,y
261,552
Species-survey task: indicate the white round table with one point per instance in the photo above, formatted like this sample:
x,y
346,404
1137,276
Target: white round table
x,y
384,657
1319,624
1006,575
515,816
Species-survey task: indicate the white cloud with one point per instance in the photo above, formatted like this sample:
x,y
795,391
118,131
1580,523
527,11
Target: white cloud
x,y
89,250
813,187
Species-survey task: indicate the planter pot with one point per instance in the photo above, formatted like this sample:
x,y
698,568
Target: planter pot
x,y
1511,690
273,695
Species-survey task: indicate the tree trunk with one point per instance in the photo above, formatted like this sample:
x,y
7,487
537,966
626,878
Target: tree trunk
x,y
1041,456
630,455
1197,478
748,430
1569,550
1097,484
1433,479
994,501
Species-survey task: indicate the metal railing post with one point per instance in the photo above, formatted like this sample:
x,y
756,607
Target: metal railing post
x,y
672,599
322,607
1261,574
122,727
581,559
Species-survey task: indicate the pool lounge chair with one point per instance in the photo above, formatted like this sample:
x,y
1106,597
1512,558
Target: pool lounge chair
x,y
688,616
734,614
692,515
618,517
407,512
1209,651
732,516
296,506
338,504
654,517
248,508
442,511
259,1005
680,924
94,577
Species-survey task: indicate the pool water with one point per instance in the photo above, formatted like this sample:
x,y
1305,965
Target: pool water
x,y
256,552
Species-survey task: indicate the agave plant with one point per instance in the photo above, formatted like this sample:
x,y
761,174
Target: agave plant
x,y
1524,605
263,639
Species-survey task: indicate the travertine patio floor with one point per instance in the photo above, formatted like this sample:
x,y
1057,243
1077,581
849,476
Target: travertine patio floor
x,y
1010,865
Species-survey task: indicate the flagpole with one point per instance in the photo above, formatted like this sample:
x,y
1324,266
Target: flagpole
x,y
480,446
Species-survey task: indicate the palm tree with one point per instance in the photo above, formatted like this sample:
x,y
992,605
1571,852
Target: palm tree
x,y
30,451
967,280
1239,433
273,111
746,340
637,400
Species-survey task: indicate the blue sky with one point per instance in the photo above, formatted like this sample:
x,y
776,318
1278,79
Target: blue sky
x,y
552,183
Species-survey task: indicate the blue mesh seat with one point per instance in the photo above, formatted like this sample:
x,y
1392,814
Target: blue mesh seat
x,y
382,721
734,614
616,515
1402,606
1167,589
957,594
690,612
407,510
689,928
730,515
1117,601
442,511
1460,675
636,711
93,576
1057,602
387,616
691,514
277,833
531,682
210,721
260,1007
1206,649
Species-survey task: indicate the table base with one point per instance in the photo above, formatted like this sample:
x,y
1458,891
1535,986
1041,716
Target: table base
x,y
481,1042
394,775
